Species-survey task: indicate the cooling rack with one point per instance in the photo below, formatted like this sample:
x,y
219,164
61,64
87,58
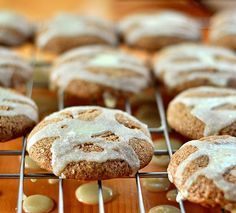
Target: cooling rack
x,y
162,129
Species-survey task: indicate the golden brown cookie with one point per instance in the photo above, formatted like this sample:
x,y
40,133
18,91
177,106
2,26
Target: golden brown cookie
x,y
18,115
14,70
90,143
187,65
14,28
222,29
203,111
90,73
66,31
204,171
155,30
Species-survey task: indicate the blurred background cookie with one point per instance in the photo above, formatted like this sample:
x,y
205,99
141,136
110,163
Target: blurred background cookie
x,y
94,72
154,30
223,29
90,143
14,70
14,28
18,114
204,171
203,111
187,65
66,31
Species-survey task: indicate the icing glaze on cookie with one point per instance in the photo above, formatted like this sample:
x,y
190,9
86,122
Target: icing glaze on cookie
x,y
10,63
221,154
12,20
70,68
185,62
12,104
206,108
71,25
165,23
223,23
79,132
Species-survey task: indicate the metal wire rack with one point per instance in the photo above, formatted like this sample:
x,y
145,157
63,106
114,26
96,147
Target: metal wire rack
x,y
22,175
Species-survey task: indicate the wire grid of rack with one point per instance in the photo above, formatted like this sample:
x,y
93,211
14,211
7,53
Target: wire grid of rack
x,y
163,129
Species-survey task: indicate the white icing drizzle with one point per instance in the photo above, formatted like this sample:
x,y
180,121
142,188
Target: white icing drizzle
x,y
204,108
221,158
102,57
10,63
71,25
10,19
30,109
80,132
223,23
163,23
165,64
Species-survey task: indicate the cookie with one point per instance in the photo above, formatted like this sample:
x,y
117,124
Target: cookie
x,y
89,73
14,70
14,28
203,111
18,114
222,29
204,171
158,29
187,65
90,143
66,31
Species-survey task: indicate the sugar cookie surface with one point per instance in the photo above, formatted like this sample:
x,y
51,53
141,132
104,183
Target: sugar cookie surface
x,y
13,104
108,142
203,111
14,70
18,114
38,204
204,171
65,31
14,27
100,70
88,193
167,26
188,65
222,28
